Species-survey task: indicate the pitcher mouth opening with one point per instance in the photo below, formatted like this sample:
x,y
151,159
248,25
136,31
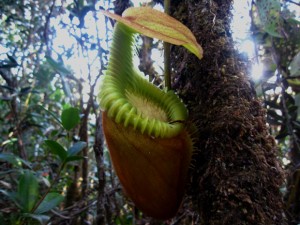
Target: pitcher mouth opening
x,y
143,106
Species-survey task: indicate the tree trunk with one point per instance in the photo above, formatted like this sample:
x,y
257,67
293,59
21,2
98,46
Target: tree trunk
x,y
235,176
98,150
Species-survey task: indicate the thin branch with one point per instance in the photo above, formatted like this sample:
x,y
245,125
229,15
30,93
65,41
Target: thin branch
x,y
291,1
12,83
45,34
167,63
49,188
60,215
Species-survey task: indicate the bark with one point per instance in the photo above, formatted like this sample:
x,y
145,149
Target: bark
x,y
235,175
12,83
98,150
83,135
146,62
292,198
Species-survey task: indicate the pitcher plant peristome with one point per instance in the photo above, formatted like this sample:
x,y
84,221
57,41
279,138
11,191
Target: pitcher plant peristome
x,y
144,127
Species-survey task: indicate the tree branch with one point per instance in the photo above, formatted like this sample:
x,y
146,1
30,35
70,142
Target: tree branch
x,y
291,1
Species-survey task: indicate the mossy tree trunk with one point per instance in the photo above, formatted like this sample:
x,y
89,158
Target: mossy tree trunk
x,y
235,175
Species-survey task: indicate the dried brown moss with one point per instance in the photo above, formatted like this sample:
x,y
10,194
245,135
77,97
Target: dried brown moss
x,y
235,175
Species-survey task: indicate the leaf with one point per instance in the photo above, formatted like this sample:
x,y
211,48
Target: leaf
x,y
269,14
274,115
296,124
51,200
12,159
273,104
8,88
294,83
45,181
269,86
70,118
24,91
59,67
297,103
155,24
43,219
289,99
57,149
10,63
76,148
27,193
273,121
12,60
295,66
74,158
282,134
12,196
50,112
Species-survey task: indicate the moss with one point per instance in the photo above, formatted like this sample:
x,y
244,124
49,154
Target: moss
x,y
235,175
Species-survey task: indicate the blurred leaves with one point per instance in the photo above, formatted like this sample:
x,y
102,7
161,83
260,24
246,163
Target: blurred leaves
x,y
10,63
57,149
14,160
295,66
276,32
57,66
27,192
74,150
269,14
70,154
70,118
51,200
40,103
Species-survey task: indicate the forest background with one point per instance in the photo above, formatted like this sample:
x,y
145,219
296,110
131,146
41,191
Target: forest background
x,y
54,165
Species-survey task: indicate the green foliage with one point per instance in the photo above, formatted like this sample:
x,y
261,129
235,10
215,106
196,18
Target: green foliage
x,y
14,160
41,102
70,118
295,66
74,150
27,198
27,191
277,35
31,202
66,156
43,105
57,149
51,200
59,67
269,14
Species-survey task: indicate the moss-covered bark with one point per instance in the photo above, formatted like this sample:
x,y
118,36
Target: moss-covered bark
x,y
235,175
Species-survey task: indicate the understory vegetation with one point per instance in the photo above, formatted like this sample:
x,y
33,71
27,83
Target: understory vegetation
x,y
55,167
